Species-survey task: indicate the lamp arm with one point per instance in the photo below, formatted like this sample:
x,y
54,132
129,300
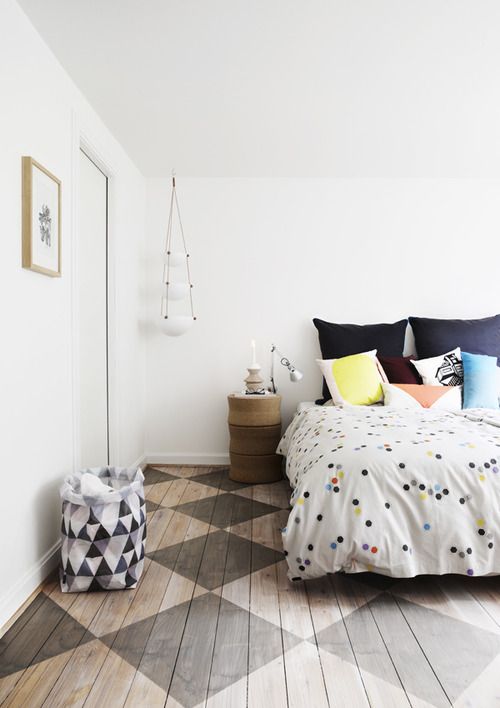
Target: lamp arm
x,y
284,361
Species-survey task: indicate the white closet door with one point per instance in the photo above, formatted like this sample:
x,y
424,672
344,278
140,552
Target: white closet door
x,y
92,286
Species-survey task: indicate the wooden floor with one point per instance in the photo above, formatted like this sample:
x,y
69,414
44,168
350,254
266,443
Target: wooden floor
x,y
215,622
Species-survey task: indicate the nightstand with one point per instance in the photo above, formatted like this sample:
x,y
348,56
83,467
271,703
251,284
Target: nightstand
x,y
255,431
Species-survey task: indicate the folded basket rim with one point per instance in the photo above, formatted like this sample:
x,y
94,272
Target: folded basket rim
x,y
70,488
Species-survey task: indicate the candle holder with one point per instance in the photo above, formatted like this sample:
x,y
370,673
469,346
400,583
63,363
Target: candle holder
x,y
254,381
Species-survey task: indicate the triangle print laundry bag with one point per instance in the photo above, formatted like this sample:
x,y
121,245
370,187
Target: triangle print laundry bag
x,y
103,529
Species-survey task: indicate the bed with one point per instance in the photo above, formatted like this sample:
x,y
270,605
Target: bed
x,y
395,491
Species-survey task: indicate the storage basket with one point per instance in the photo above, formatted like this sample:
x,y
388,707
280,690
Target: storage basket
x,y
104,531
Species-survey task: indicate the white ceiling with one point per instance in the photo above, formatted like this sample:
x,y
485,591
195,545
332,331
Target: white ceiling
x,y
288,87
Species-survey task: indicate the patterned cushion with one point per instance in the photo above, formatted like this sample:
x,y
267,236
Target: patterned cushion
x,y
443,370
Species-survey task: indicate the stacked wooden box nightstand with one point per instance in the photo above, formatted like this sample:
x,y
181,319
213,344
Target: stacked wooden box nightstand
x,y
255,431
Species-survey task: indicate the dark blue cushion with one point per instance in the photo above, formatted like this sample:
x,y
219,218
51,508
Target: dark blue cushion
x,y
337,340
434,337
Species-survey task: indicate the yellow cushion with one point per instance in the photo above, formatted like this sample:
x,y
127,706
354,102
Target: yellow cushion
x,y
354,379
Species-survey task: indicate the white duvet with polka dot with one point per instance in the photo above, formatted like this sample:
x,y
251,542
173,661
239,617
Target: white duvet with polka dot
x,y
396,492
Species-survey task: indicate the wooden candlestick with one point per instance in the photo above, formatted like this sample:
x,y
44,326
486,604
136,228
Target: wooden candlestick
x,y
254,381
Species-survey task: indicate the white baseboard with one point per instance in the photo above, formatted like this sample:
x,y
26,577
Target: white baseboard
x,y
197,458
18,593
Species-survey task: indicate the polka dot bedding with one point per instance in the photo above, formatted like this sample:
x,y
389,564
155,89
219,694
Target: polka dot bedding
x,y
397,492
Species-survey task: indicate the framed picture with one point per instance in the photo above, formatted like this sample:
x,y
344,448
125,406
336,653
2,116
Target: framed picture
x,y
41,219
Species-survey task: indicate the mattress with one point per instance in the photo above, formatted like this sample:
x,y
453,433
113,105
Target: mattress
x,y
398,492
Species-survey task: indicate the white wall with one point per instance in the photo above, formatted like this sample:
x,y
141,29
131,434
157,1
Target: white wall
x,y
40,114
268,255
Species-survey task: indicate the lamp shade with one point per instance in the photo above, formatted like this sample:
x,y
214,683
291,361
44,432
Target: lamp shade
x,y
296,375
178,291
176,325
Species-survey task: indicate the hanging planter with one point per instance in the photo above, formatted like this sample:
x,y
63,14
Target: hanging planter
x,y
174,324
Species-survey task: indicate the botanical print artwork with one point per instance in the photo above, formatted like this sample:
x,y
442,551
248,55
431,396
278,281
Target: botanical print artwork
x,y
45,221
451,371
399,492
41,219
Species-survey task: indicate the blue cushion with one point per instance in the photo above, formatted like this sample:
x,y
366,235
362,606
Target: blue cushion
x,y
480,381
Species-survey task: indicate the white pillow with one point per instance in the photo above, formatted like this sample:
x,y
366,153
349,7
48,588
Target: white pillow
x,y
400,396
443,370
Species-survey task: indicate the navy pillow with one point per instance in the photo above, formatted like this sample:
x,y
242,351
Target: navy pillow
x,y
337,340
433,337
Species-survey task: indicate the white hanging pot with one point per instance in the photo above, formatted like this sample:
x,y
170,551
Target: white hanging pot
x,y
175,258
178,291
176,325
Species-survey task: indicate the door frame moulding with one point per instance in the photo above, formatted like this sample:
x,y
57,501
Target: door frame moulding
x,y
82,140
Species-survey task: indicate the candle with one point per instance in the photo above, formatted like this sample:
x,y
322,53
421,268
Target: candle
x,y
254,360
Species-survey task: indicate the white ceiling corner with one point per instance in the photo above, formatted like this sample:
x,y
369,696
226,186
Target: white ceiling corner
x,y
259,88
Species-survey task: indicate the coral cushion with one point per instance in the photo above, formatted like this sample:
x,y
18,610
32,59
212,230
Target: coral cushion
x,y
425,395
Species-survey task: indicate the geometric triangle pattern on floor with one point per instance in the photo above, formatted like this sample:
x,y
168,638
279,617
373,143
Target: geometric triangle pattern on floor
x,y
50,632
151,646
207,560
225,509
215,621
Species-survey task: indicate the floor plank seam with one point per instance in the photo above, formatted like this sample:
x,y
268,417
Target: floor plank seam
x,y
74,650
23,617
317,645
249,608
282,638
486,610
191,600
167,586
471,595
33,661
228,529
389,654
396,599
350,641
14,636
